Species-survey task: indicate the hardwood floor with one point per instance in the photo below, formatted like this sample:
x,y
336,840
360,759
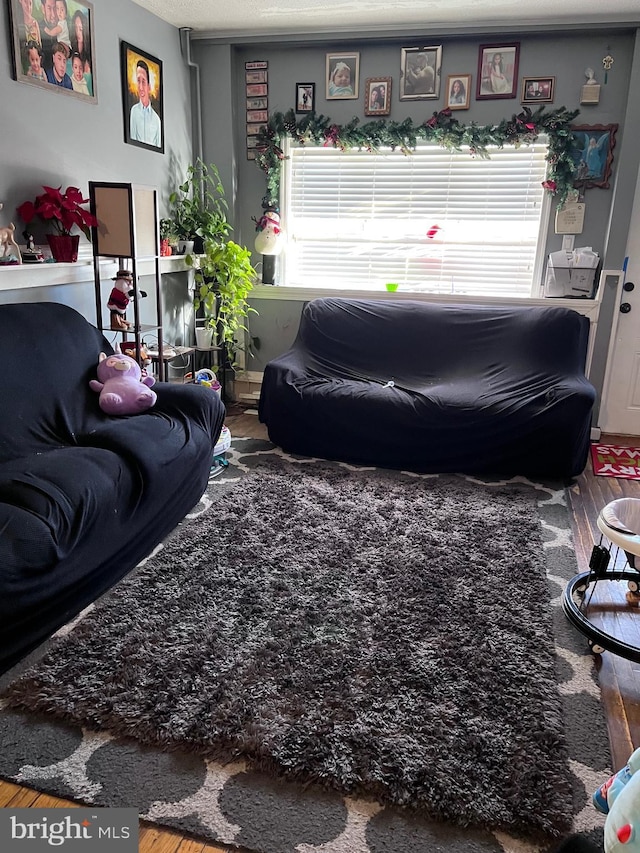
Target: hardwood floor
x,y
619,679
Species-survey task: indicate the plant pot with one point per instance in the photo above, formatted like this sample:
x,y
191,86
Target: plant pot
x,y
64,247
198,244
204,337
185,247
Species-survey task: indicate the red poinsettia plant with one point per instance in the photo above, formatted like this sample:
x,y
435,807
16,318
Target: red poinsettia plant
x,y
62,209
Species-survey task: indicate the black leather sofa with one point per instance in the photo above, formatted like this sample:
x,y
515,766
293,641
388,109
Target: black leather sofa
x,y
83,496
478,389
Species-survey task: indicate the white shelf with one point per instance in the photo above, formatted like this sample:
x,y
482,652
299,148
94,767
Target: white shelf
x,y
20,276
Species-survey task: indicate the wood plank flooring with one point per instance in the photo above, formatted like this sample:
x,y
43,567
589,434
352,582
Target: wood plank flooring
x,y
619,679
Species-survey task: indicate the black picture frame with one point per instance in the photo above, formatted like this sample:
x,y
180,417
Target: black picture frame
x,y
142,127
305,97
537,90
33,50
593,168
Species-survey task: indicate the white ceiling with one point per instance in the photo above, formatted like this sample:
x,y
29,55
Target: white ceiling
x,y
285,17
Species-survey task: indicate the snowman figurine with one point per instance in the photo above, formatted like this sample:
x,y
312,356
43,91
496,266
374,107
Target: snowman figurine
x,y
268,240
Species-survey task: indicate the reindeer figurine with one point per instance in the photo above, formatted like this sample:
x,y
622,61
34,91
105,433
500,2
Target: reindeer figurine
x,y
7,243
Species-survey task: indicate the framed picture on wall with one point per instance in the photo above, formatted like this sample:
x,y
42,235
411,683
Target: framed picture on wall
x,y
592,154
305,97
377,96
537,90
420,73
343,73
497,71
53,46
142,97
458,94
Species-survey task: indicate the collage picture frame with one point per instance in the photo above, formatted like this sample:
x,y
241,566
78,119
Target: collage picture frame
x,y
64,62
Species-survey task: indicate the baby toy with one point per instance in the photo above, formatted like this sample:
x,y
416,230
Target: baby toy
x,y
119,298
619,799
122,388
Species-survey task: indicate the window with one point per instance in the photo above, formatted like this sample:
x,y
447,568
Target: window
x,y
432,220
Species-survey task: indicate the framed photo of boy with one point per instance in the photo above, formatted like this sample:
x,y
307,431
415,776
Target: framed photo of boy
x,y
537,90
497,71
342,75
420,73
53,46
592,154
377,96
142,97
458,92
305,97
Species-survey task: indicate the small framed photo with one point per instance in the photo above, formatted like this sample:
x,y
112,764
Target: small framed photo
x,y
255,76
592,154
248,66
258,115
305,97
497,71
537,90
257,90
257,103
458,93
377,96
420,73
53,46
142,98
342,75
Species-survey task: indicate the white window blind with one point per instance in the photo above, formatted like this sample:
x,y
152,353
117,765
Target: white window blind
x,y
432,220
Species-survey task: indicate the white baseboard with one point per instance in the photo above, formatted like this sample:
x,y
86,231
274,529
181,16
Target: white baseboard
x,y
596,432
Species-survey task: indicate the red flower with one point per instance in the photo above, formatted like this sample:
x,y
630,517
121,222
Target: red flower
x,y
550,185
62,210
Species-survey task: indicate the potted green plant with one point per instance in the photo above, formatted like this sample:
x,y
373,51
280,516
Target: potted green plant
x,y
198,206
63,211
224,277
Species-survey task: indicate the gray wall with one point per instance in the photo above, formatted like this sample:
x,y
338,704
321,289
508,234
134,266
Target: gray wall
x,y
50,138
562,55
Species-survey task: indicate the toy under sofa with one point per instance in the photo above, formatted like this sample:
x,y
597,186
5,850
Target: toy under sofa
x,y
480,389
84,496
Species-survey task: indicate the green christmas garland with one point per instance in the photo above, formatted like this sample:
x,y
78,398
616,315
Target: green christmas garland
x,y
442,128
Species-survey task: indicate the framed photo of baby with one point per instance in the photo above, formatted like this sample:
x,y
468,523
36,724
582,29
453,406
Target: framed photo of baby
x,y
53,46
343,73
377,96
497,71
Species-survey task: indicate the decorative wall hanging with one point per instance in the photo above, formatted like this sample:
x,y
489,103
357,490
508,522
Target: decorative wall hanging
x,y
256,78
305,97
537,90
442,129
497,71
342,76
420,73
142,98
592,154
458,92
54,51
377,96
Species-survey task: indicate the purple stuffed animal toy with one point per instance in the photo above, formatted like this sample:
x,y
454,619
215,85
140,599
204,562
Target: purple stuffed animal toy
x,y
122,387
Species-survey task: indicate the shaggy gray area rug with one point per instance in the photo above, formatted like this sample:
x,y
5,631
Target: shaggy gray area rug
x,y
377,633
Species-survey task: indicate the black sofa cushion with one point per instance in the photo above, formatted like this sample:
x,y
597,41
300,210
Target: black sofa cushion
x,y
434,387
83,496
